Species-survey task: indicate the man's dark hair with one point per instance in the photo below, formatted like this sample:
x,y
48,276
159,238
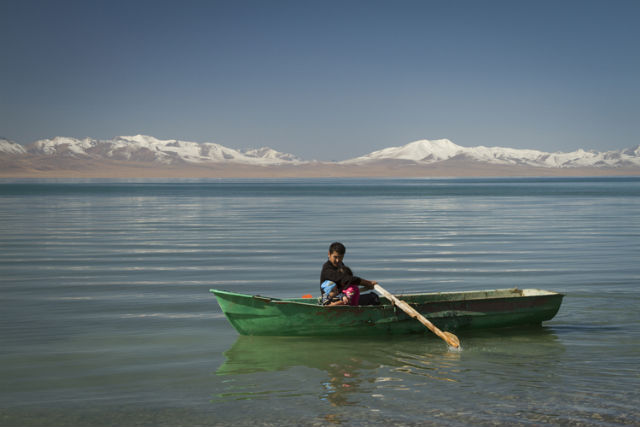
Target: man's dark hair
x,y
337,247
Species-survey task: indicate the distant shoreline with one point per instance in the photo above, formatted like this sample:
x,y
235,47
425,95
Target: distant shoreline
x,y
444,169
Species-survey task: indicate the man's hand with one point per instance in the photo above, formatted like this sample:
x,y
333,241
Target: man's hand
x,y
368,283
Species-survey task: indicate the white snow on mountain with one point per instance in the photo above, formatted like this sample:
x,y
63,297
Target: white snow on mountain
x,y
10,147
148,148
419,151
269,153
426,152
143,148
62,146
632,151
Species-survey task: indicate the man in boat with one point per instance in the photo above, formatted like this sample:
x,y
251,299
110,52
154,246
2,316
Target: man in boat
x,y
335,271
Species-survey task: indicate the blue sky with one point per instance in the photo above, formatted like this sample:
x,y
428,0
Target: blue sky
x,y
325,80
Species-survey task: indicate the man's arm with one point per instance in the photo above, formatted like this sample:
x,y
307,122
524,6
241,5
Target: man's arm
x,y
368,284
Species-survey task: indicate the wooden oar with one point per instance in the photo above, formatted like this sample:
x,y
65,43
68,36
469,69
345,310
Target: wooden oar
x,y
448,337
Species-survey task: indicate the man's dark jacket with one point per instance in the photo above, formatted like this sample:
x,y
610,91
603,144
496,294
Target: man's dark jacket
x,y
329,272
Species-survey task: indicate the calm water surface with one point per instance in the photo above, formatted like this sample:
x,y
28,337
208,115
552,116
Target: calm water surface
x,y
106,318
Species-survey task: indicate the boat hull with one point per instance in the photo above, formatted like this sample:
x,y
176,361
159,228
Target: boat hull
x,y
449,311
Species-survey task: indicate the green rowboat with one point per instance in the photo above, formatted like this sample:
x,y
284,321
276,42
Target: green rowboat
x,y
449,311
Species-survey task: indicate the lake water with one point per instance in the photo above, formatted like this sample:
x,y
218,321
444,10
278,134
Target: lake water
x,y
106,316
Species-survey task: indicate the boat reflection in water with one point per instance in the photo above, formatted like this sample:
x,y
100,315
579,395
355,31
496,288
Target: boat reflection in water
x,y
378,365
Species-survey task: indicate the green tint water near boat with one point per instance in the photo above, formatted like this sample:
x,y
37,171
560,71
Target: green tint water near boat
x,y
449,311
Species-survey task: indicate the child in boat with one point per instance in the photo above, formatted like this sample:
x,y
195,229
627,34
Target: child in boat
x,y
331,294
350,294
335,271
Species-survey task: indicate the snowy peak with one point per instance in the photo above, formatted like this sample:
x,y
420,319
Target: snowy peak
x,y
10,147
419,151
427,152
271,154
632,151
62,146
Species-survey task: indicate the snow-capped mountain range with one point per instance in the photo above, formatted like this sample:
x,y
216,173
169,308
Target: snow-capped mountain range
x,y
425,151
142,148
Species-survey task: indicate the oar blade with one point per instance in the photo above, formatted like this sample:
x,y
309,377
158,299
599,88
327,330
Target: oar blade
x,y
452,340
